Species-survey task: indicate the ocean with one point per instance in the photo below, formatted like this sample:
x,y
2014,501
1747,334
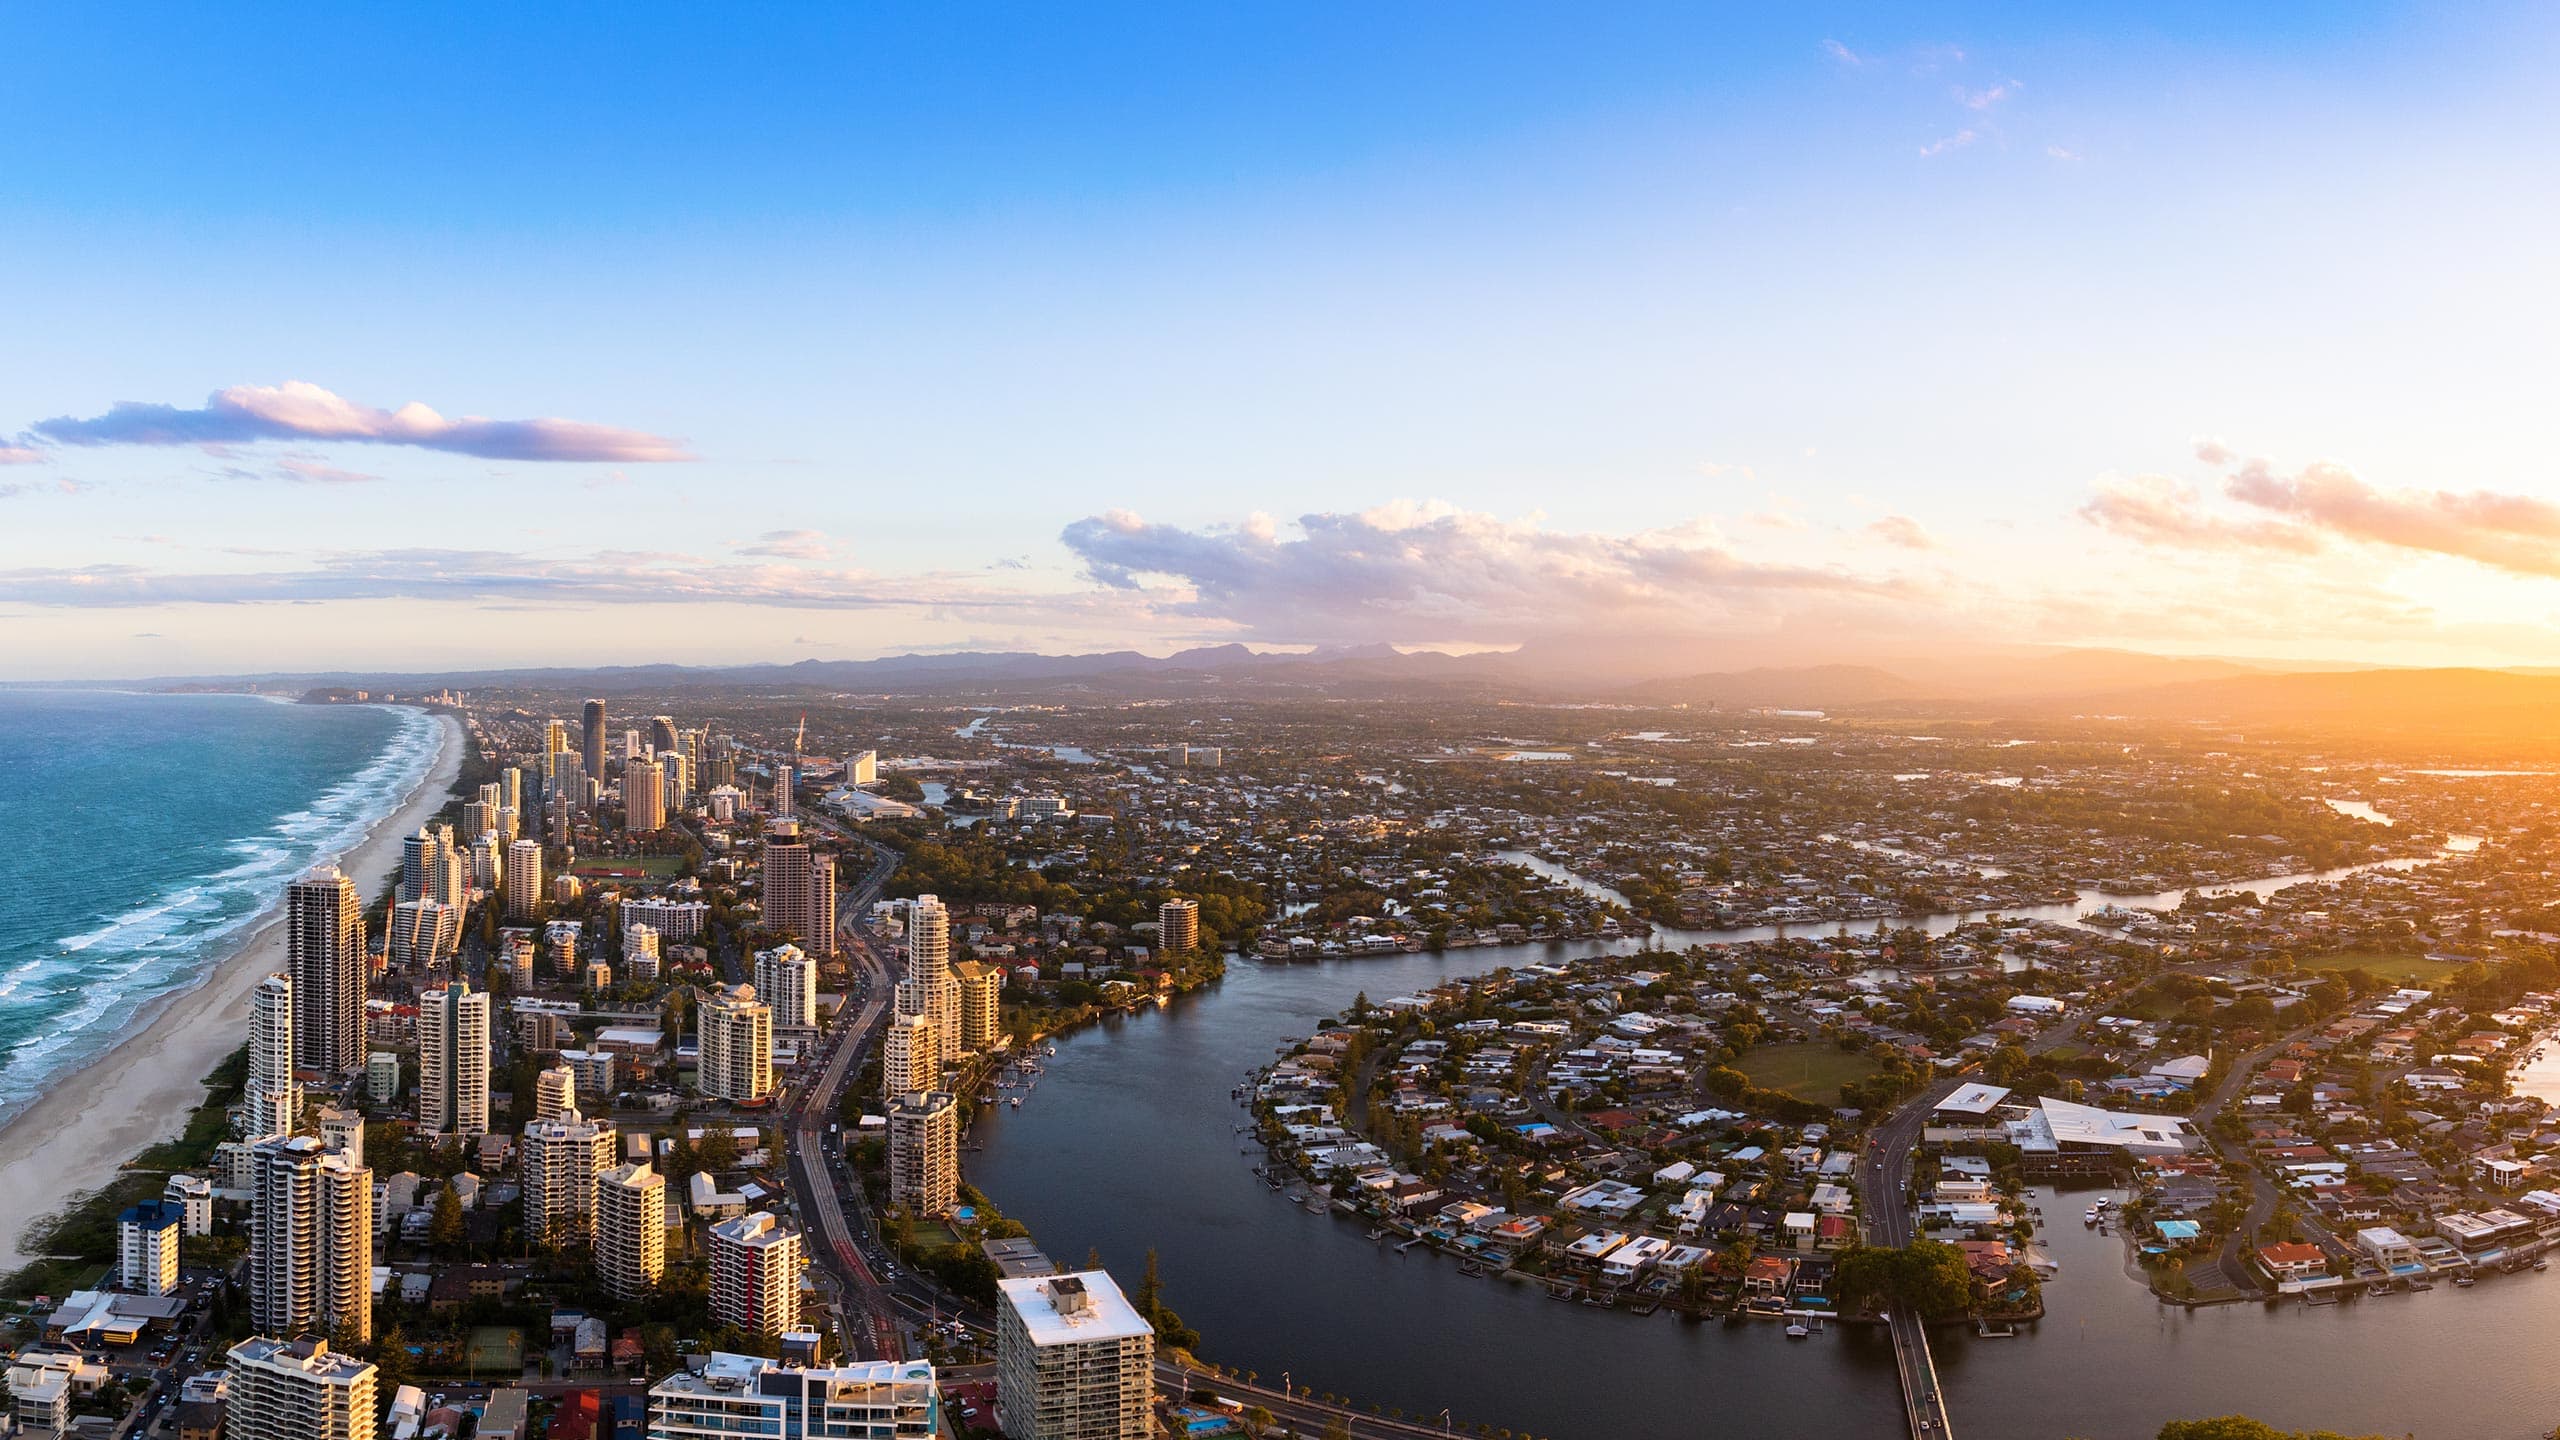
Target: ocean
x,y
142,836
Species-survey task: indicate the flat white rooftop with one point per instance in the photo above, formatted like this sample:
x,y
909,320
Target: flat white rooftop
x,y
1106,1314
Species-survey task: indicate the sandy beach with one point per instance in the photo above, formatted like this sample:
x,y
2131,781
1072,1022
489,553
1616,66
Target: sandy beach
x,y
139,1093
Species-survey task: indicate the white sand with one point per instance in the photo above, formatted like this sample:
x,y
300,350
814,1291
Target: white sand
x,y
141,1092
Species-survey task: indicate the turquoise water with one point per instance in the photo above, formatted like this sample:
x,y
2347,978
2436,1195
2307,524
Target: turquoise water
x,y
142,835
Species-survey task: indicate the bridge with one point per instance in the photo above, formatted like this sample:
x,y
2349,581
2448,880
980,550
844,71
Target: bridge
x,y
1884,1180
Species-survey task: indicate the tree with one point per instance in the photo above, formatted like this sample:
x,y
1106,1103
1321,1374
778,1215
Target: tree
x,y
445,1230
2241,1427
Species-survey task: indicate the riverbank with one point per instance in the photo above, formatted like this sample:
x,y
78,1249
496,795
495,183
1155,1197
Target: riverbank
x,y
140,1093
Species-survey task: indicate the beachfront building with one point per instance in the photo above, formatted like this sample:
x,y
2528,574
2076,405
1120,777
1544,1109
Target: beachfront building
x,y
563,1160
755,1274
1074,1360
734,1395
298,1390
924,1152
271,1099
631,1229
1178,926
422,932
800,891
787,979
310,1240
734,1047
453,1060
907,1059
147,1247
523,880
193,1195
981,986
324,953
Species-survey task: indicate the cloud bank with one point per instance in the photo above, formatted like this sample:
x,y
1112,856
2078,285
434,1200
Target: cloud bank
x,y
299,410
1407,572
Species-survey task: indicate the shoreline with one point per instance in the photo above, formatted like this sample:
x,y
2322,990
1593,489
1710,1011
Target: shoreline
x,y
141,1091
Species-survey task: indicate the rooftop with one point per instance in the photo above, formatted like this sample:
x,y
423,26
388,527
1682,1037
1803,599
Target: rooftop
x,y
1073,1309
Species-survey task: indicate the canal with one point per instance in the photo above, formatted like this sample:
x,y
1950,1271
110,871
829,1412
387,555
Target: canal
x,y
1129,1143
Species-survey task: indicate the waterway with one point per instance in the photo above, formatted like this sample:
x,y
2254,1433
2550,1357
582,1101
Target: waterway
x,y
1130,1144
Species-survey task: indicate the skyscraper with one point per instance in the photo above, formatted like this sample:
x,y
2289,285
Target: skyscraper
x,y
640,951
563,1160
800,891
787,979
735,1046
555,1092
924,1152
631,1229
1074,1360
755,1274
785,781
453,1060
662,734
593,735
310,1239
1178,926
271,1099
981,989
930,990
324,949
147,1247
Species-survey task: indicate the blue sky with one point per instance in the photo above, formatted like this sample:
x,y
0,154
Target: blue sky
x,y
1764,336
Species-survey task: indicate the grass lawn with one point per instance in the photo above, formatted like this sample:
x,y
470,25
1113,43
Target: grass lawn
x,y
933,1235
2403,968
656,867
1813,1071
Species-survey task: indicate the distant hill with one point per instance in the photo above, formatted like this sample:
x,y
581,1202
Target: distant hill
x,y
1805,687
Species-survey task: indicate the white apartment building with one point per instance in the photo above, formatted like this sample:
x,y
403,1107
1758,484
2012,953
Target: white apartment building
x,y
924,1152
522,879
563,1159
1074,1360
734,1046
147,1247
631,1229
272,1099
675,921
787,979
453,1060
310,1239
908,1061
755,1274
738,1395
298,1390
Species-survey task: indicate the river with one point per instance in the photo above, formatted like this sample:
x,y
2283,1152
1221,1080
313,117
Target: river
x,y
1129,1144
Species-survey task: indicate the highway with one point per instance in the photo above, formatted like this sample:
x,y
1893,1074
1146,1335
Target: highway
x,y
1884,1178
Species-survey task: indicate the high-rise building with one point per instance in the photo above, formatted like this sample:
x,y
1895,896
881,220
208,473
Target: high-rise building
x,y
324,950
342,1131
640,952
924,1152
382,1076
563,1160
560,941
787,980
453,1060
631,1229
930,989
908,1061
1178,927
755,1274
662,734
735,1395
298,1390
981,1005
422,932
785,781
734,1043
555,1092
555,738
147,1247
310,1240
1074,1360
430,867
271,1100
863,768
524,879
511,788
644,796
193,1195
800,891
488,863
593,735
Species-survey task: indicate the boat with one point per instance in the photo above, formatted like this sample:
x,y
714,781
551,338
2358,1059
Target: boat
x,y
2101,1205
1016,1102
2463,1282
2541,1264
1796,1330
2089,1217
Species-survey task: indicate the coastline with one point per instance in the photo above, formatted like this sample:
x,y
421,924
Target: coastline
x,y
141,1091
